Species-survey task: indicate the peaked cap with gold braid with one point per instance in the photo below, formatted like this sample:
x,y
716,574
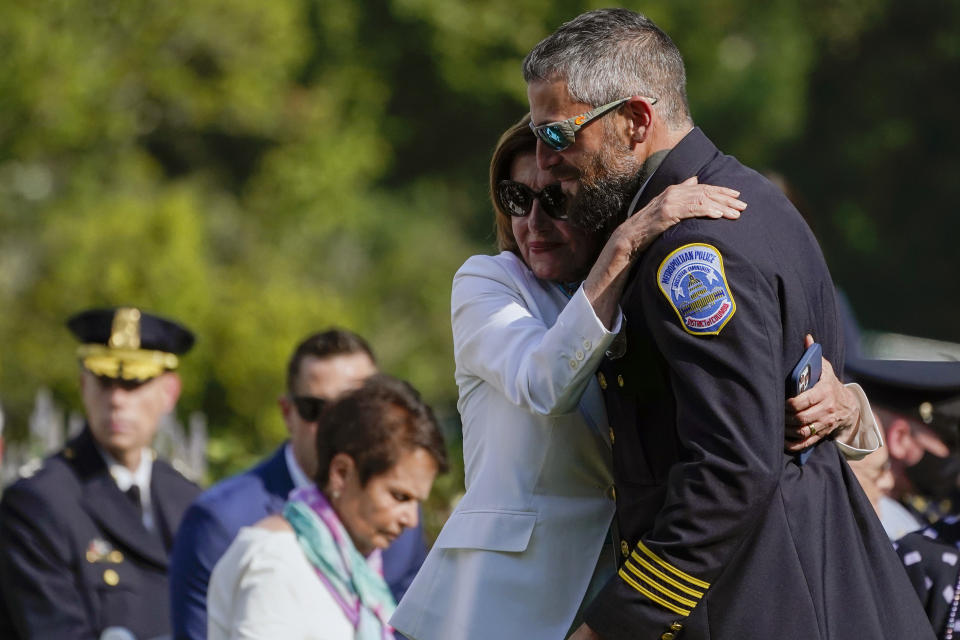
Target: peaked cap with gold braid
x,y
924,390
127,344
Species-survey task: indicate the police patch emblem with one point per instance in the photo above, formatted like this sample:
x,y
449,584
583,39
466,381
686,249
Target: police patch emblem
x,y
693,281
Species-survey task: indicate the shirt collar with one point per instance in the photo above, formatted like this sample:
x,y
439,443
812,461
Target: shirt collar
x,y
140,477
649,168
300,479
124,477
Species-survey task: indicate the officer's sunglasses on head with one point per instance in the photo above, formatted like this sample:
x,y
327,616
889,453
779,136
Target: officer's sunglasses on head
x,y
560,135
309,407
516,199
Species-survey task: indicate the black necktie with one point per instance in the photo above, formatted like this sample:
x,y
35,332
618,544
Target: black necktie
x,y
134,494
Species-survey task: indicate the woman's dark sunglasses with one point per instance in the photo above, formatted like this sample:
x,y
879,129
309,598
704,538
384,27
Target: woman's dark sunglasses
x,y
309,407
516,199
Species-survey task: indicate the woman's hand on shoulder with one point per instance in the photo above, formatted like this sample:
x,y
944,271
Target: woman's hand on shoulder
x,y
689,199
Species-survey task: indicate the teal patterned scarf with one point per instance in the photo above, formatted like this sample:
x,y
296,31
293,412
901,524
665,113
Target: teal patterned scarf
x,y
355,582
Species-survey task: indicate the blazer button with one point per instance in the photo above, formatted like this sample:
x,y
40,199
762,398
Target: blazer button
x,y
579,354
602,379
668,635
676,626
115,557
573,364
620,380
612,493
624,548
111,578
587,344
612,438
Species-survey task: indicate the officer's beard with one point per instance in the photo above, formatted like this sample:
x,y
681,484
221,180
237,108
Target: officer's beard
x,y
607,186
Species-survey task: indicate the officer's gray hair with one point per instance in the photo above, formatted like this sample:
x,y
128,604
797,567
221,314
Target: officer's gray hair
x,y
608,54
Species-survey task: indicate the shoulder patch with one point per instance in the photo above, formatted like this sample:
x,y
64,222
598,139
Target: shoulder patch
x,y
693,281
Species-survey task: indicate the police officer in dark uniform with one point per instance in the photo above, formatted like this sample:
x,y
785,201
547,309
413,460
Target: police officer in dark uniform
x,y
723,534
84,541
919,405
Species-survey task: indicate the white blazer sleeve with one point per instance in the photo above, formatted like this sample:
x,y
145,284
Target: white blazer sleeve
x,y
865,437
497,338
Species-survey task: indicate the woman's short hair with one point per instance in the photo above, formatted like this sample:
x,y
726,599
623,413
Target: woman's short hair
x,y
515,141
376,425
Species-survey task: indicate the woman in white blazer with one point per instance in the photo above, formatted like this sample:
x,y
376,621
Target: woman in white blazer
x,y
522,549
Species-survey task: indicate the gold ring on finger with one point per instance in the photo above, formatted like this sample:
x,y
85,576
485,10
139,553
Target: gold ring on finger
x,y
813,431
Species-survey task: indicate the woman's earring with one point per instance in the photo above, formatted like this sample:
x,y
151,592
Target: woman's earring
x,y
336,495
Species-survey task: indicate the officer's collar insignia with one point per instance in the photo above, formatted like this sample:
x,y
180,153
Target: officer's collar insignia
x,y
693,281
100,550
30,469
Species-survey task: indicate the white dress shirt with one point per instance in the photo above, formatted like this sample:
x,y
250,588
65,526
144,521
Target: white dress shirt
x,y
300,479
125,478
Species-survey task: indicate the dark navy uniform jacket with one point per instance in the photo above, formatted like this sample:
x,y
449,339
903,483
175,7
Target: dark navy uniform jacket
x,y
931,557
75,557
213,520
723,535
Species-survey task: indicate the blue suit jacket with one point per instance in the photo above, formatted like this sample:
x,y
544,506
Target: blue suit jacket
x,y
216,516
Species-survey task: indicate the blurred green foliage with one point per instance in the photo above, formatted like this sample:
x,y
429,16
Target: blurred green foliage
x,y
263,170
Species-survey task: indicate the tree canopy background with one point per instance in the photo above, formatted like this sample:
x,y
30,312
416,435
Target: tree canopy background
x,y
263,170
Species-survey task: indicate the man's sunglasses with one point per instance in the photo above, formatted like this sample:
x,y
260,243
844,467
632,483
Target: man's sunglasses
x,y
516,199
560,135
309,407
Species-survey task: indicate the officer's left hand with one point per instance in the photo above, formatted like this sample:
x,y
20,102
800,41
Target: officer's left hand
x,y
819,411
584,633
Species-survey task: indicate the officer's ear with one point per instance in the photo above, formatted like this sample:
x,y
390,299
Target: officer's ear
x,y
170,386
638,111
900,441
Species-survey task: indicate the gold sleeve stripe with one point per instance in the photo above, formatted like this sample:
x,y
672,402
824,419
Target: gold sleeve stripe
x,y
652,569
659,587
672,569
663,603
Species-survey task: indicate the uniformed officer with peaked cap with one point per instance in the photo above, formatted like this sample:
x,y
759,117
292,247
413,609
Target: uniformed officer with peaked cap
x,y
919,405
84,542
928,391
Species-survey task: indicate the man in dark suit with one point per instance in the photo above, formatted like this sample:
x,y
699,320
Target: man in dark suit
x,y
84,541
322,367
722,534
